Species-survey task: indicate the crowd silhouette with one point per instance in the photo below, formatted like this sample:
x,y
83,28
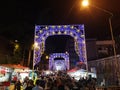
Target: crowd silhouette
x,y
58,81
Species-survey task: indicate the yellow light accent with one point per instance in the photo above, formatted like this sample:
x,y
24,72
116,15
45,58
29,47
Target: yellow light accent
x,y
75,37
53,26
82,35
46,27
36,45
41,31
47,57
36,36
53,32
72,27
16,46
59,26
65,26
65,32
43,38
59,32
78,30
71,33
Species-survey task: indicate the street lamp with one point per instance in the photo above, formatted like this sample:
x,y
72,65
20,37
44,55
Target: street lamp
x,y
47,57
85,3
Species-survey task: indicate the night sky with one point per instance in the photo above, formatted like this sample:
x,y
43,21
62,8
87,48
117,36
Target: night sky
x,y
19,17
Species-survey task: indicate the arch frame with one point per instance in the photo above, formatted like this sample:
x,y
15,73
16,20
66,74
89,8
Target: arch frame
x,y
42,32
59,55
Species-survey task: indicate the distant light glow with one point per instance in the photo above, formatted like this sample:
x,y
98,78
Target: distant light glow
x,y
16,46
16,41
59,64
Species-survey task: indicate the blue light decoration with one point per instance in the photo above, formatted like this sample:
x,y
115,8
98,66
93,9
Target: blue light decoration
x,y
42,32
65,64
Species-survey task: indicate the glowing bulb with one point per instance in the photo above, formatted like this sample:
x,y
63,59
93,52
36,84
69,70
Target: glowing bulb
x,y
46,27
83,41
43,38
71,33
36,44
82,35
72,27
47,34
59,26
41,31
59,32
53,32
65,26
36,36
16,46
78,30
65,32
47,57
75,37
53,26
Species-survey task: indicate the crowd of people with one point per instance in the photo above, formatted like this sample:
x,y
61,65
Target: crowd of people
x,y
58,81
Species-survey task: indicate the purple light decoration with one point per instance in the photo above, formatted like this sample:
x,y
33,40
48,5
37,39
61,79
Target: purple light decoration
x,y
42,32
59,55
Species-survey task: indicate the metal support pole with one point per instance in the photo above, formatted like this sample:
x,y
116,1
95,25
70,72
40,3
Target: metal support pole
x,y
114,50
113,43
112,38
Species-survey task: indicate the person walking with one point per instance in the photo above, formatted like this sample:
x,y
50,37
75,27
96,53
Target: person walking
x,y
37,86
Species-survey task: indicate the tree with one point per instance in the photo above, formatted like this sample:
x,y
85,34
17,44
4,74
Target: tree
x,y
16,49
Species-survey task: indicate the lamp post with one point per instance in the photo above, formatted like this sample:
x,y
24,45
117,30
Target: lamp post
x,y
85,3
35,46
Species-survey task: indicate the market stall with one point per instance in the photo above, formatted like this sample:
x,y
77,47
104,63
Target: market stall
x,y
11,72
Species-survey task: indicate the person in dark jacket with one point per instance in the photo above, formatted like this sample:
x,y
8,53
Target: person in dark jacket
x,y
18,85
30,85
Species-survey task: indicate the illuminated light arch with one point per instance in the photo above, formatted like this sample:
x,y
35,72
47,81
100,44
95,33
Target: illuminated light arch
x,y
42,32
58,55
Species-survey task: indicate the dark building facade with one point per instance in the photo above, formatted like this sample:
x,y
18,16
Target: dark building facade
x,y
91,49
4,51
107,69
94,49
